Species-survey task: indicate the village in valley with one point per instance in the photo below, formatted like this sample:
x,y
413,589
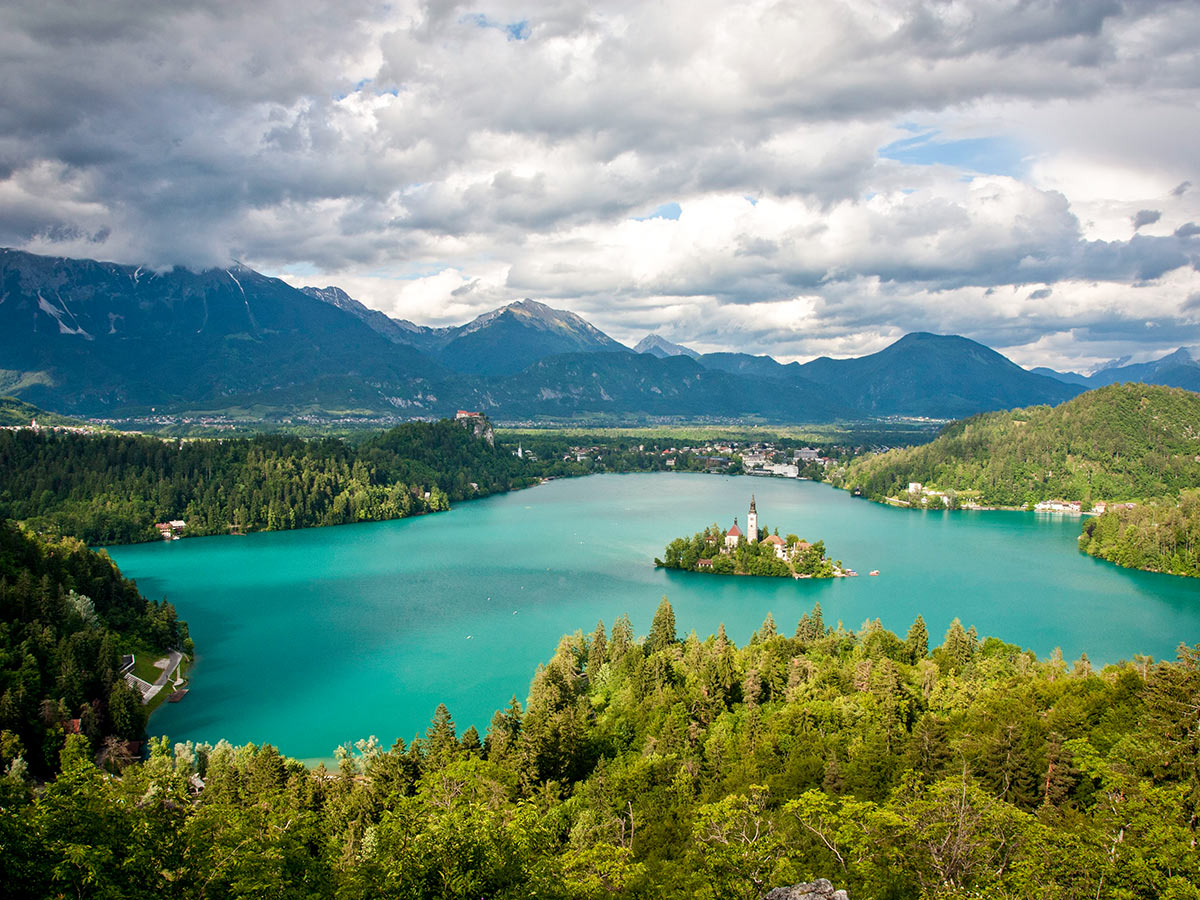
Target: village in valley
x,y
925,497
755,551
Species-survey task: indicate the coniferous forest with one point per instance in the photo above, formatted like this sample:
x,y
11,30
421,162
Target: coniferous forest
x,y
1160,537
66,616
112,489
669,767
661,766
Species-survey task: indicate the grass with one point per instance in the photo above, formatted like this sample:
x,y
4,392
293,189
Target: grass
x,y
168,689
143,665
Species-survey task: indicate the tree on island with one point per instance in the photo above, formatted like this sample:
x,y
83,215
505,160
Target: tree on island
x,y
713,551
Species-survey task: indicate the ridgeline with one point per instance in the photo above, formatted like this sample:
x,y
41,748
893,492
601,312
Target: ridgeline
x,y
1122,442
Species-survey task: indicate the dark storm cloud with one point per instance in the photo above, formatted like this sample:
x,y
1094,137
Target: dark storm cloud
x,y
1146,217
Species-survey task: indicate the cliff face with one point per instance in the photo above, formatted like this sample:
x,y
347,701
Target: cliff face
x,y
481,427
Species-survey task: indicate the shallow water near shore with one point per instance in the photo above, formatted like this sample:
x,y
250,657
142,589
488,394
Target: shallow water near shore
x,y
311,639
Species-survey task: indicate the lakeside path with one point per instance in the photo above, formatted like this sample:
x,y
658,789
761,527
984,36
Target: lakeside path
x,y
172,663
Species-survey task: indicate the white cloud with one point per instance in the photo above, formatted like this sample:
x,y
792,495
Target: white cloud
x,y
437,159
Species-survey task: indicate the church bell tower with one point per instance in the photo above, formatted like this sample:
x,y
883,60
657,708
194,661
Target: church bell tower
x,y
752,522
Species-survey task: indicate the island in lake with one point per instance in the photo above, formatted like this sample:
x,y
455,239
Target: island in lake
x,y
756,551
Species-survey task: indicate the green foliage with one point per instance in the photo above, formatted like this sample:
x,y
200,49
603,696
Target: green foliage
x,y
1161,537
662,629
114,488
747,558
65,614
693,769
18,413
1121,442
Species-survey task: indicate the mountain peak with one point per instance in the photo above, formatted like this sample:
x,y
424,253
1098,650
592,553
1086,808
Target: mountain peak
x,y
657,345
506,340
532,314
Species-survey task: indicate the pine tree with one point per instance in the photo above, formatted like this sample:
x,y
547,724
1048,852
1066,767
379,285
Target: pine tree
x,y
440,739
804,629
768,629
1060,775
470,741
662,629
622,639
957,645
918,640
598,650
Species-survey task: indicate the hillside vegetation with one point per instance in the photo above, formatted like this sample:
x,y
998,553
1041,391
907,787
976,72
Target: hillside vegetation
x,y
1159,537
66,615
113,488
14,412
669,768
1122,442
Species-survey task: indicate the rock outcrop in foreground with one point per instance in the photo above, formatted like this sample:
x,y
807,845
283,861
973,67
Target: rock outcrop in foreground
x,y
821,889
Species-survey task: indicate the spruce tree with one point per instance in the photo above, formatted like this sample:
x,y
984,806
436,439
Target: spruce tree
x,y
598,649
622,639
918,639
957,645
440,739
768,629
470,741
804,628
662,629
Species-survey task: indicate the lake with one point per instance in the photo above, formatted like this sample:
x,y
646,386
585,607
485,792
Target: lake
x,y
311,639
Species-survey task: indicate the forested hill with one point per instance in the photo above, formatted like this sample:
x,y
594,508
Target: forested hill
x,y
1122,442
114,488
677,768
1160,537
66,615
14,412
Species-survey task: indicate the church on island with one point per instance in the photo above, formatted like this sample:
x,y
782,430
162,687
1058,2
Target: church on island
x,y
782,549
754,551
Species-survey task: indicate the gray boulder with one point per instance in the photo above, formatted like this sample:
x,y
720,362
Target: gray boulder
x,y
821,889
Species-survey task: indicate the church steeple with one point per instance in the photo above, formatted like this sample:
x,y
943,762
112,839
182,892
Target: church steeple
x,y
752,522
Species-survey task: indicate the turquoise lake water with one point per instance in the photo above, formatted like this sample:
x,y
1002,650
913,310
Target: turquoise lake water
x,y
310,639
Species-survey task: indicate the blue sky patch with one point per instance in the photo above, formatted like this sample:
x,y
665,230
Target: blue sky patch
x,y
989,156
666,211
516,31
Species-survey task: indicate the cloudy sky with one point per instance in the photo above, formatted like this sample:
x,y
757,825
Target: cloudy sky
x,y
792,178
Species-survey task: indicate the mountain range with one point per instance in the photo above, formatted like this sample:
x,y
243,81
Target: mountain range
x,y
1176,369
99,339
